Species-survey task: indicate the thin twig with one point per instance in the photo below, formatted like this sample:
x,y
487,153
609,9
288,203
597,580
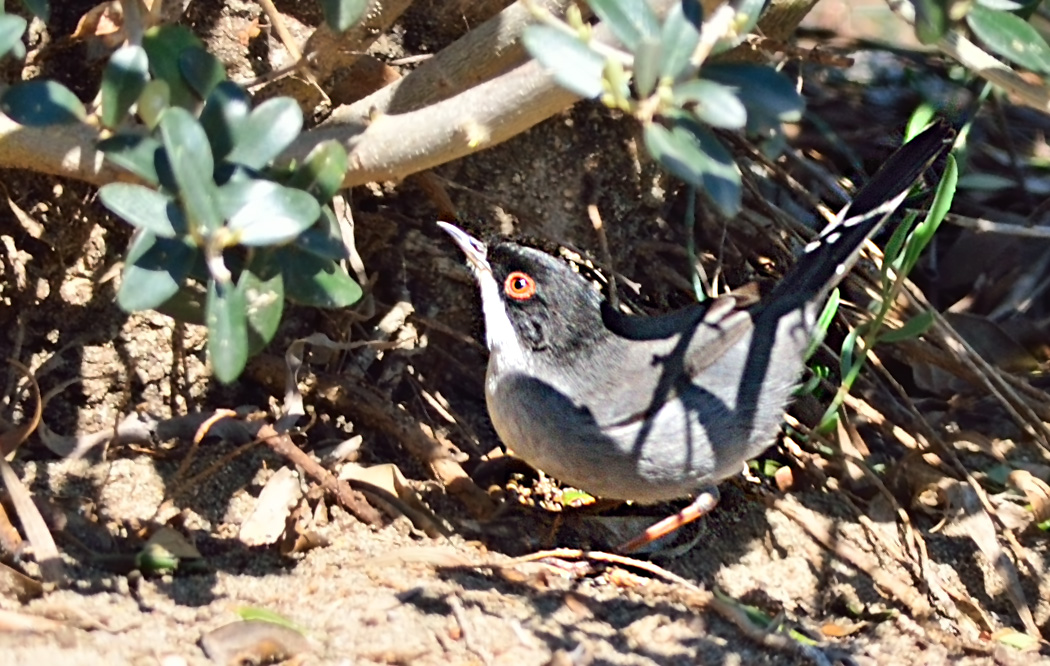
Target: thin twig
x,y
982,225
603,244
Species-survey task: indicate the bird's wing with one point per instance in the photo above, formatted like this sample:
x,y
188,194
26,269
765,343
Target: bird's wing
x,y
654,359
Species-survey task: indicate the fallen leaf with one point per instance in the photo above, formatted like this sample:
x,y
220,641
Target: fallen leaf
x,y
1016,639
269,518
388,478
16,584
37,533
967,517
254,641
166,551
1035,490
105,22
836,630
15,622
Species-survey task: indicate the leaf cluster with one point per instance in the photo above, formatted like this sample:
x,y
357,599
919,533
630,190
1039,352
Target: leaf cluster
x,y
659,73
222,235
219,229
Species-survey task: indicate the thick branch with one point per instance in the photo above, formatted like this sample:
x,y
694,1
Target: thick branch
x,y
385,144
394,146
388,135
492,48
393,133
60,150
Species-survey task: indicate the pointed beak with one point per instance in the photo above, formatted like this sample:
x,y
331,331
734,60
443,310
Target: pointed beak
x,y
474,249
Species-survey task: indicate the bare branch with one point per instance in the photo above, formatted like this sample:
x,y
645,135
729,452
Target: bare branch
x,y
476,93
60,150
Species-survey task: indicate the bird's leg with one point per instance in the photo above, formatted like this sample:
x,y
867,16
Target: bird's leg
x,y
701,506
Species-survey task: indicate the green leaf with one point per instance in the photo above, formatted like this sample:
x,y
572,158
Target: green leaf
x,y
712,103
135,153
225,110
770,467
747,13
693,11
262,212
263,287
849,352
324,239
40,103
187,305
574,66
931,20
631,21
827,315
311,280
201,70
574,497
265,615
226,315
341,14
942,202
164,44
155,560
1018,640
769,97
155,97
270,128
646,66
913,328
144,208
920,119
188,152
678,40
154,271
892,253
1023,9
123,80
11,29
1011,37
321,173
692,153
39,8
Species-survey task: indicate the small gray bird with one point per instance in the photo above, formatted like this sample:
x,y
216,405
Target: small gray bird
x,y
659,408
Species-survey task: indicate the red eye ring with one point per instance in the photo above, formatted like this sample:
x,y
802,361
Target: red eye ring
x,y
519,286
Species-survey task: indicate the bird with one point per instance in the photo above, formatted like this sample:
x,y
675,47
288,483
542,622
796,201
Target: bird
x,y
659,408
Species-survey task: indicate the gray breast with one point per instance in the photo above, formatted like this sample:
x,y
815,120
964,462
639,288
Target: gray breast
x,y
628,424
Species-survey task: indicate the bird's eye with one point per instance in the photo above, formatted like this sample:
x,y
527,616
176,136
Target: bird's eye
x,y
519,286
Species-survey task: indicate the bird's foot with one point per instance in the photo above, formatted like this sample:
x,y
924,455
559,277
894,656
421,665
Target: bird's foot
x,y
701,506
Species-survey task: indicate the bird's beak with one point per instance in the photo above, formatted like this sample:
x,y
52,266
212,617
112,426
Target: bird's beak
x,y
474,249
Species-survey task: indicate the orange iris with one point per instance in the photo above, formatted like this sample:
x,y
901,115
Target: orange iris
x,y
519,286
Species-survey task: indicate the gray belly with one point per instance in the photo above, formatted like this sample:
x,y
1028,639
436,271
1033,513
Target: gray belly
x,y
697,437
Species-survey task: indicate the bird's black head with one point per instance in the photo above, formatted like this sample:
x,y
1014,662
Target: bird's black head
x,y
550,307
533,302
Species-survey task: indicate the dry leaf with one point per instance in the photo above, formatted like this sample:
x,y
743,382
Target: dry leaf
x,y
250,32
104,21
174,543
836,630
969,519
785,478
13,621
268,520
37,533
625,579
1035,490
16,584
253,641
390,479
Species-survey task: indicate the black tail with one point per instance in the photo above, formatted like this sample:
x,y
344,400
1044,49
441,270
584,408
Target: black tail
x,y
825,259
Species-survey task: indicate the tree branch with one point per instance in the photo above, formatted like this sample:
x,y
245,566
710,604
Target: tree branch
x,y
474,94
59,150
